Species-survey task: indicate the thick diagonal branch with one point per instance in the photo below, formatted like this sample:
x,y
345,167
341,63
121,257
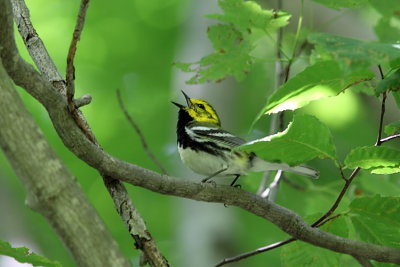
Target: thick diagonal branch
x,y
50,187
16,67
285,219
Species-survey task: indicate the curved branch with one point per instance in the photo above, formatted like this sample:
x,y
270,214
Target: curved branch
x,y
50,188
285,219
19,70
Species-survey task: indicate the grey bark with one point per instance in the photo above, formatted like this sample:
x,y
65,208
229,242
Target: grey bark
x,y
123,204
50,188
77,142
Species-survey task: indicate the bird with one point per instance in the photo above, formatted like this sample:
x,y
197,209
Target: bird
x,y
207,149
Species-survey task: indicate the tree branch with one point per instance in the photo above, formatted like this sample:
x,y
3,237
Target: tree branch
x,y
70,75
50,188
285,219
19,70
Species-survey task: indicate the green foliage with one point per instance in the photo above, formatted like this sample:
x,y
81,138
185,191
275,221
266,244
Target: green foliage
x,y
391,82
335,4
233,43
379,160
386,32
355,53
248,15
376,219
396,96
129,47
304,139
387,8
323,79
370,219
392,128
303,254
23,255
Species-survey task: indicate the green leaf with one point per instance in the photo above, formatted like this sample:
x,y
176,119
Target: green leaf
x,y
396,96
356,53
387,8
323,79
303,254
386,184
376,219
246,15
23,255
392,128
231,57
235,42
386,32
336,4
304,139
364,87
380,160
391,82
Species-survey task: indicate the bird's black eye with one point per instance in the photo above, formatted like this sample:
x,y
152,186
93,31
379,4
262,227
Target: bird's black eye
x,y
200,106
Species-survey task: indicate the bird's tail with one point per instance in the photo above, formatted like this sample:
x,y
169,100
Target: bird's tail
x,y
261,165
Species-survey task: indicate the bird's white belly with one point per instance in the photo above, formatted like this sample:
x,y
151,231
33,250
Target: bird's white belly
x,y
207,164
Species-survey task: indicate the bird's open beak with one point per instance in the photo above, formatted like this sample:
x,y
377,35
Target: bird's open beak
x,y
178,105
189,103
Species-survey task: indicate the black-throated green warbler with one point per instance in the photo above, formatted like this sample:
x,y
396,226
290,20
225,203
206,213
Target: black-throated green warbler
x,y
207,149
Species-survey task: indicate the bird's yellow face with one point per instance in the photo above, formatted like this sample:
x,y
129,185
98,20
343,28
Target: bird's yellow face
x,y
200,110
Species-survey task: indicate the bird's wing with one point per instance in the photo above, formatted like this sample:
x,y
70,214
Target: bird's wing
x,y
208,132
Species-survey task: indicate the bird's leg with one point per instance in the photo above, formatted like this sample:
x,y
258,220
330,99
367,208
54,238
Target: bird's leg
x,y
214,174
234,181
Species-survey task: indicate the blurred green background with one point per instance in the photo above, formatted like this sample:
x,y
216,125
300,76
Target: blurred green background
x,y
131,45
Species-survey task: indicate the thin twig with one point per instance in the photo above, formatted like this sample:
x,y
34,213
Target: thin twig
x,y
254,252
272,191
386,139
70,75
283,74
342,173
139,132
378,139
278,73
265,248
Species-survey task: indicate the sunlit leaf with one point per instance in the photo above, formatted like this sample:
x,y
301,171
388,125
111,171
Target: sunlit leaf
x,y
304,139
378,160
355,53
342,3
391,82
376,219
323,79
25,256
